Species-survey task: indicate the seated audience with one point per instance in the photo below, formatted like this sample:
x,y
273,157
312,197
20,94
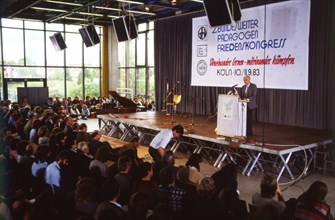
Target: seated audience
x,y
110,194
95,143
231,206
53,171
312,205
124,179
74,112
145,184
85,112
130,150
85,197
269,189
43,135
226,177
190,174
101,156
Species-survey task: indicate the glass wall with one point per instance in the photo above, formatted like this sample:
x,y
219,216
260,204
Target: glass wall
x,y
136,63
28,58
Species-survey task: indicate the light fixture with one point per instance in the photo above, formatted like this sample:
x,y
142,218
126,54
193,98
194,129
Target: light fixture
x,y
131,2
140,12
112,16
64,3
106,8
26,19
49,9
76,19
173,2
93,14
146,8
201,1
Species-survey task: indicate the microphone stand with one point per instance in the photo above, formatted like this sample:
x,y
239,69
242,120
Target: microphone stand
x,y
193,100
192,113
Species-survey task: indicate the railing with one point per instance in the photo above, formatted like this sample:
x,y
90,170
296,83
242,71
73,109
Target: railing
x,y
126,92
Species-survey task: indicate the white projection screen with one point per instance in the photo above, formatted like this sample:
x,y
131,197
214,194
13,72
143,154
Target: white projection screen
x,y
270,44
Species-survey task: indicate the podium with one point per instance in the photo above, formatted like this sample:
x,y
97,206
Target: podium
x,y
231,116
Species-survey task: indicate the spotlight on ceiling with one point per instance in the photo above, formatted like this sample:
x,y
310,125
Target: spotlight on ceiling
x,y
173,2
146,8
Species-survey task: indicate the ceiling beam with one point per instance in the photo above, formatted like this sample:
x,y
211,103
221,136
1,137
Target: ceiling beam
x,y
23,9
71,12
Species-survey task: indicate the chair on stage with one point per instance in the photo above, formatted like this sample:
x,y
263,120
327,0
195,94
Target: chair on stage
x,y
174,103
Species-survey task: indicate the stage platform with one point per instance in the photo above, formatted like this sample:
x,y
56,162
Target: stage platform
x,y
285,150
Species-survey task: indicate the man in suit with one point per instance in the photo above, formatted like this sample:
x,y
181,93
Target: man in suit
x,y
248,94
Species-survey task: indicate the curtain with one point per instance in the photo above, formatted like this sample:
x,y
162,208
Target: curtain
x,y
313,108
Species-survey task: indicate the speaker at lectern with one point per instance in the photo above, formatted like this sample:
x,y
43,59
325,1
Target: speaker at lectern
x,y
231,116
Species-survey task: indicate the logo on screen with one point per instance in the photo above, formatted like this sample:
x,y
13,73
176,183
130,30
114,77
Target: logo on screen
x,y
202,67
202,33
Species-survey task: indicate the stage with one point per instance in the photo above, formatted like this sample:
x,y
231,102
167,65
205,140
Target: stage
x,y
285,150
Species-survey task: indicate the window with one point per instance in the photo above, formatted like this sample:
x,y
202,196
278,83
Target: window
x,y
55,79
30,59
141,49
74,51
141,82
136,63
92,82
13,46
150,41
33,25
34,41
91,56
24,72
74,82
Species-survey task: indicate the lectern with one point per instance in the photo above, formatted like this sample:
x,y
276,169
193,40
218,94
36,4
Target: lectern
x,y
231,116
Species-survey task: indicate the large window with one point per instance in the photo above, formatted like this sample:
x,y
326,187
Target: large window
x,y
28,58
13,50
136,62
56,81
92,81
34,41
74,82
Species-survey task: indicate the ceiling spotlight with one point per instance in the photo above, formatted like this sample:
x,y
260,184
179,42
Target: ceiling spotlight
x,y
146,8
173,2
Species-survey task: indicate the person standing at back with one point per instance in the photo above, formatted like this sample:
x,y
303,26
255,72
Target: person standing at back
x,y
248,94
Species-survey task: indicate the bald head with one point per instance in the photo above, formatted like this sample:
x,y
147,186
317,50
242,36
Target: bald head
x,y
246,80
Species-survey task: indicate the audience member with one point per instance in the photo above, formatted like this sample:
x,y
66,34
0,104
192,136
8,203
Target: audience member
x,y
269,189
312,205
101,156
85,197
226,177
110,192
124,179
95,143
145,184
190,174
53,171
231,206
82,134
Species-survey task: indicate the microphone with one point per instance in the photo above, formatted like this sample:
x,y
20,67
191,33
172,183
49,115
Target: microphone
x,y
234,86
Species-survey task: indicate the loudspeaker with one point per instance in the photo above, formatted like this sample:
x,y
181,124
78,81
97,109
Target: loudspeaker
x,y
125,28
58,42
221,12
89,35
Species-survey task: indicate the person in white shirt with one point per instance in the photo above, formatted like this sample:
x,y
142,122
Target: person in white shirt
x,y
52,172
162,139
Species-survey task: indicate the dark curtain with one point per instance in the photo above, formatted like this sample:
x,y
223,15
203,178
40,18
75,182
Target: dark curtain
x,y
313,108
